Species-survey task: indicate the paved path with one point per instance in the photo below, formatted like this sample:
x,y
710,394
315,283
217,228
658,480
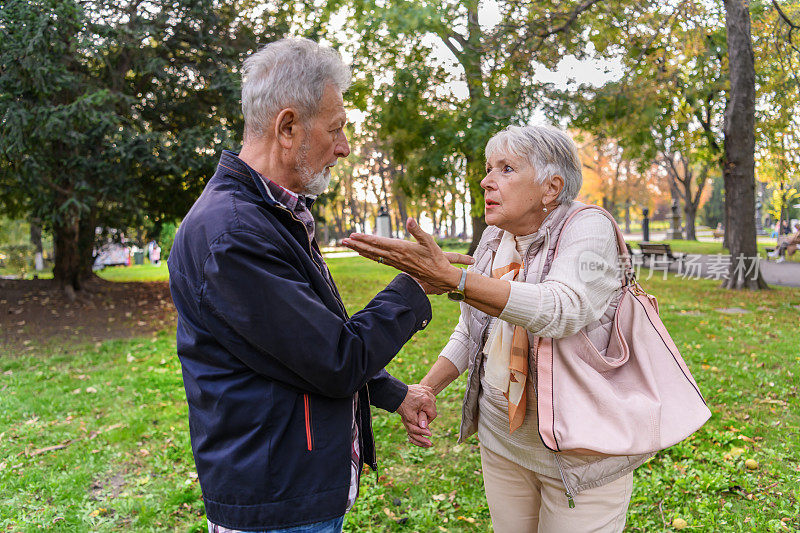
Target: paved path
x,y
786,274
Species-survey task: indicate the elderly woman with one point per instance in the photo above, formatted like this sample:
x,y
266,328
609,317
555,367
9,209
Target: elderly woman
x,y
515,291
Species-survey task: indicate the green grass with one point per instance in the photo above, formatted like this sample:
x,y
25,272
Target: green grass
x,y
127,463
145,272
26,274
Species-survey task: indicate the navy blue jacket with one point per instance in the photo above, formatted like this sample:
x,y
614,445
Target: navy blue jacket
x,y
271,360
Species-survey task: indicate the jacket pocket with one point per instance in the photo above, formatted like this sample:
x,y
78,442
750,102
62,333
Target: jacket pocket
x,y
309,432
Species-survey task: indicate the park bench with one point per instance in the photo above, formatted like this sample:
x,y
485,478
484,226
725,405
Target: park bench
x,y
660,250
635,255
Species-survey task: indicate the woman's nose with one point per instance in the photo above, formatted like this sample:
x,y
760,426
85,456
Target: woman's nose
x,y
487,183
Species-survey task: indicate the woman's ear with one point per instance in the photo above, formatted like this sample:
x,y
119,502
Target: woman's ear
x,y
553,190
286,127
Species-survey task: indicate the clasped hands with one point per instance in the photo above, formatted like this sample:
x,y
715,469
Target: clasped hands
x,y
417,410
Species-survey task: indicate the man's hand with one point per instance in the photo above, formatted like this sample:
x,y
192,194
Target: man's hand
x,y
418,408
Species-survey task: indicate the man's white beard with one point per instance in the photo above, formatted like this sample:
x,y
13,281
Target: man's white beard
x,y
314,184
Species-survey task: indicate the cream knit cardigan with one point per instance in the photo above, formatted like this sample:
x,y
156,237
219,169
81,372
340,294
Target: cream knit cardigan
x,y
565,302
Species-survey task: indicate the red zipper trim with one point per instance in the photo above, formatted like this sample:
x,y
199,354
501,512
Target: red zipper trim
x,y
308,422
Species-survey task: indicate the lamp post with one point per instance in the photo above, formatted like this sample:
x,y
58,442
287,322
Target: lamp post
x,y
645,225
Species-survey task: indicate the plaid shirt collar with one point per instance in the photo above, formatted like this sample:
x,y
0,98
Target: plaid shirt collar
x,y
298,204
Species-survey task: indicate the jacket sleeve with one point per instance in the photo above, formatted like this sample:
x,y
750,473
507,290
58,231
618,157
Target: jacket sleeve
x,y
386,391
265,312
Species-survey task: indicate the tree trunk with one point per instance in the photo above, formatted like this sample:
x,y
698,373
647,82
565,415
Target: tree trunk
x,y
67,267
403,213
86,238
628,217
692,201
739,161
477,214
690,215
464,217
453,217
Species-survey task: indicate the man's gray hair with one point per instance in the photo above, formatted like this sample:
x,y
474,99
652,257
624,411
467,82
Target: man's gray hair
x,y
285,73
550,151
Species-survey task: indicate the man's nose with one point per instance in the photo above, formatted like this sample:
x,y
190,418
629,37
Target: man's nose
x,y
342,147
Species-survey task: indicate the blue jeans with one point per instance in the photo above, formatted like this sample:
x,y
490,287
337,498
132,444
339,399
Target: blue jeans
x,y
328,526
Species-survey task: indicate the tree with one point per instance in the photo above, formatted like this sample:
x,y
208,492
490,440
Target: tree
x,y
667,107
614,180
713,212
739,162
778,133
494,65
116,110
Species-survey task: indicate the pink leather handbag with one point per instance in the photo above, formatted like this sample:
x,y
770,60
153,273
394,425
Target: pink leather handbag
x,y
637,398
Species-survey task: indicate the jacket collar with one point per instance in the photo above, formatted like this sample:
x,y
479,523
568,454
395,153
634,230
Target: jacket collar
x,y
233,167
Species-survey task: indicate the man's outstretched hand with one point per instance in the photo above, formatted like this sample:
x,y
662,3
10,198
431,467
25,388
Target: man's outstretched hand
x,y
418,408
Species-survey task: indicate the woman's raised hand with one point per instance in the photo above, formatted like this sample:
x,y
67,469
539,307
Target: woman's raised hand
x,y
423,260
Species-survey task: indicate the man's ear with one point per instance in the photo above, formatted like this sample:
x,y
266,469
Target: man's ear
x,y
554,188
286,127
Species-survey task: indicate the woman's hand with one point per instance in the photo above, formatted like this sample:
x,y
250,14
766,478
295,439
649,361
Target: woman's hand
x,y
423,260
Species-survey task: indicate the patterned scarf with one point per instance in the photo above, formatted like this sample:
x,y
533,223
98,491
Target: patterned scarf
x,y
506,348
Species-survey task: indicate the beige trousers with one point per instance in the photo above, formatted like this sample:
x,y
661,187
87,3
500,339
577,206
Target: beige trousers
x,y
522,501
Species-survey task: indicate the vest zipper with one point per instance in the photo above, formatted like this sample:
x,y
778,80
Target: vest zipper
x,y
567,490
309,434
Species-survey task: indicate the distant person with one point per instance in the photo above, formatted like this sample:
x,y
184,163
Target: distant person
x,y
279,377
154,253
787,245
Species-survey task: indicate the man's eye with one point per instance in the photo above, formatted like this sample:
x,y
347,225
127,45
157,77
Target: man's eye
x,y
507,169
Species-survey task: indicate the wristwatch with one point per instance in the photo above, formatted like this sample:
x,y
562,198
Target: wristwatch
x,y
457,294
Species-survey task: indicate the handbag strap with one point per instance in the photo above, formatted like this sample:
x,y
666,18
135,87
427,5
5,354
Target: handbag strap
x,y
625,257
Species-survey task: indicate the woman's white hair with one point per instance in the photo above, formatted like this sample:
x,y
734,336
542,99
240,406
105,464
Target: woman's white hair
x,y
550,151
291,72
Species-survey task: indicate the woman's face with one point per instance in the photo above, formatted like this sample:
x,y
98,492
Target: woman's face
x,y
513,198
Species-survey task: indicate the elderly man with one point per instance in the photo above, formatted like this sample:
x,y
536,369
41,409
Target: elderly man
x,y
279,379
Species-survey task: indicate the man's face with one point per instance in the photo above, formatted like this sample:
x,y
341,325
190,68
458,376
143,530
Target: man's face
x,y
324,143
